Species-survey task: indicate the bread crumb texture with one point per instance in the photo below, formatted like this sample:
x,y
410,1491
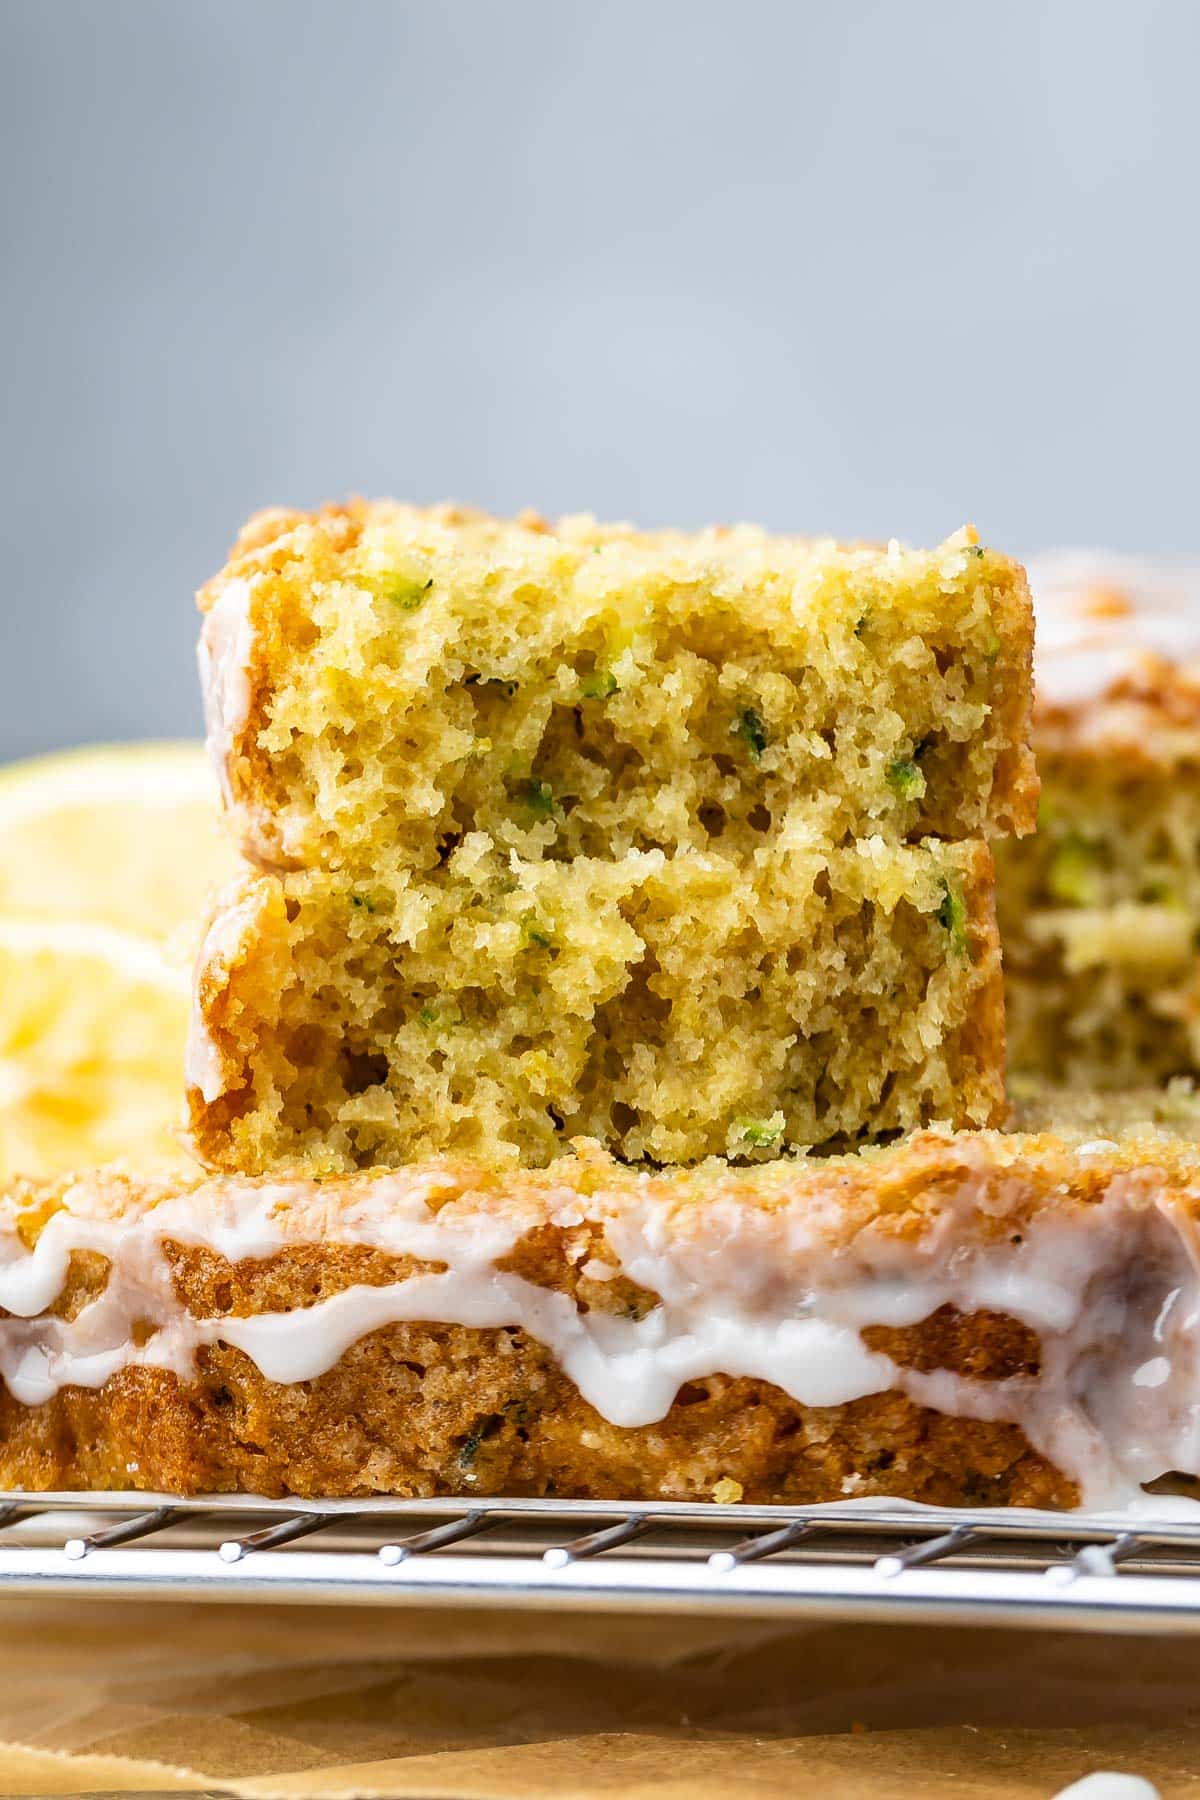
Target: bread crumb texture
x,y
405,676
679,842
670,1008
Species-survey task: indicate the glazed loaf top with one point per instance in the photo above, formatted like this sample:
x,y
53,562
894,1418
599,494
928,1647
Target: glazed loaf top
x,y
805,1274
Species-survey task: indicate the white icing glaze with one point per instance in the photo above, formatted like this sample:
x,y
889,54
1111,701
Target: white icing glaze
x,y
1086,640
1112,1291
226,643
202,1060
233,918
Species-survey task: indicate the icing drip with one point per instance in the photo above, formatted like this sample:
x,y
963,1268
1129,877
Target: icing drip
x,y
271,838
226,641
233,917
1111,1289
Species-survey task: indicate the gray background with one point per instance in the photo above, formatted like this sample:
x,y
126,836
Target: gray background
x,y
864,268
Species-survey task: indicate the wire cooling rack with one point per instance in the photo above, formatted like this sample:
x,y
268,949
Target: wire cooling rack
x,y
871,1563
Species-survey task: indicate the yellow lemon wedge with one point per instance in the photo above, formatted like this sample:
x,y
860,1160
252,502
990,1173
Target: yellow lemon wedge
x,y
92,1027
108,861
126,834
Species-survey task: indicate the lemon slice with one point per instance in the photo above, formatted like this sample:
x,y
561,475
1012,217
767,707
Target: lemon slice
x,y
108,861
92,1027
125,834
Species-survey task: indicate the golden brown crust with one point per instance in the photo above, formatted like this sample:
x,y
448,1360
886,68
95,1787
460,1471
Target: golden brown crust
x,y
1017,783
418,1410
899,1190
277,535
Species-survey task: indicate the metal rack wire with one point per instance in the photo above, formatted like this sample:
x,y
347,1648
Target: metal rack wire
x,y
876,1563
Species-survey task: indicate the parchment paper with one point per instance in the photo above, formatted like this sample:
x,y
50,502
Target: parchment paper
x,y
115,1698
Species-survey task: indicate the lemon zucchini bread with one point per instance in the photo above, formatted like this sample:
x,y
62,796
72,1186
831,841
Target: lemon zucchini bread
x,y
1100,910
677,842
382,680
973,1319
672,1008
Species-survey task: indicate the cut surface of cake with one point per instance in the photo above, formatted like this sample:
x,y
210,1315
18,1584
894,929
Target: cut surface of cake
x,y
961,1319
670,1008
1100,909
678,842
383,679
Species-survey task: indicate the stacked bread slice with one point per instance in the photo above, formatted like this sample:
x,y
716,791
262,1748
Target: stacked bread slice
x,y
676,843
1100,910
